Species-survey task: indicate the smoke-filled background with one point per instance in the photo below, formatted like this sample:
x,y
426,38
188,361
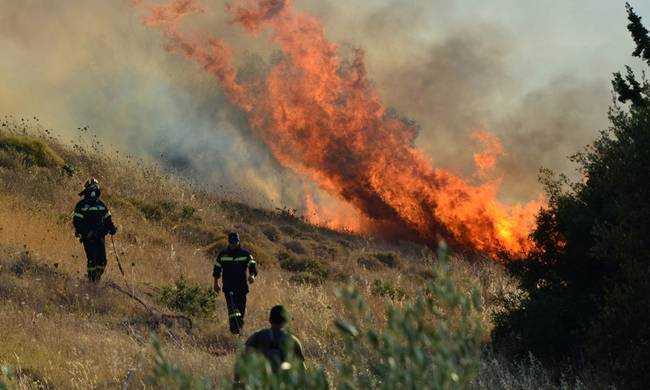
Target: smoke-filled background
x,y
534,73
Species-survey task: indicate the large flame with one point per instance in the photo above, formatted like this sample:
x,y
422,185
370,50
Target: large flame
x,y
321,117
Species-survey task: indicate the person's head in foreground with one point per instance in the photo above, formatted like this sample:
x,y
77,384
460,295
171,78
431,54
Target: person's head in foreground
x,y
279,317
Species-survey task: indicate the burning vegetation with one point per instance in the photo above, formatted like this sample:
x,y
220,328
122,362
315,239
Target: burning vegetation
x,y
320,116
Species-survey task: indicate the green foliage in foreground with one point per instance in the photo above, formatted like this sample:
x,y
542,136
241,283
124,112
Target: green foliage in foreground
x,y
193,300
5,373
431,342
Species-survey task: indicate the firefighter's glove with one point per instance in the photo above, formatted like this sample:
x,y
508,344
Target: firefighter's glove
x,y
251,279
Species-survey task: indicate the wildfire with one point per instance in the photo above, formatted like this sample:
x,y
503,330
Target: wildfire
x,y
487,159
320,116
340,216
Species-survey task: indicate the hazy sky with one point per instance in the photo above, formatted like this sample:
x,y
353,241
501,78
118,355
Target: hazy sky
x,y
558,36
536,73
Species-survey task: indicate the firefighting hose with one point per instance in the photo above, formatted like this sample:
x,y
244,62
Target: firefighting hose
x,y
153,312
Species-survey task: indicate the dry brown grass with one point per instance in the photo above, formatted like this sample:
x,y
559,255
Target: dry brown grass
x,y
60,332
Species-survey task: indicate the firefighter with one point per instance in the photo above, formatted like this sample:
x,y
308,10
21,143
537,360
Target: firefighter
x,y
232,263
92,222
276,344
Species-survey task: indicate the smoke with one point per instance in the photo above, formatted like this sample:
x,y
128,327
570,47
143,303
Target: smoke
x,y
91,62
455,71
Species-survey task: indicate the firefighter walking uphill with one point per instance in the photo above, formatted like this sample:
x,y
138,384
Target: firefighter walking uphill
x,y
92,222
233,263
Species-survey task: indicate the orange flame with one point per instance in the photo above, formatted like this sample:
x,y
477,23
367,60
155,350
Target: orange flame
x,y
486,160
321,117
341,217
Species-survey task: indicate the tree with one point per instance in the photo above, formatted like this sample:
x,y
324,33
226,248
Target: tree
x,y
587,284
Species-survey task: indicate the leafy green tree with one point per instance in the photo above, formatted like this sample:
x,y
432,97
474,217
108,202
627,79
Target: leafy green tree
x,y
587,285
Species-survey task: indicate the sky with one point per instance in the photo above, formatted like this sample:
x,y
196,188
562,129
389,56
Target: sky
x,y
535,73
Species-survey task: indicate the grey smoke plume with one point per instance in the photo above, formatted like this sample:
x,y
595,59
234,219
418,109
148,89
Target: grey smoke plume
x,y
454,67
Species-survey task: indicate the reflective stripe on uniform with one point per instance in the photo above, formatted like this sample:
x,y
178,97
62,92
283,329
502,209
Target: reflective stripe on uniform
x,y
253,262
106,216
78,215
94,208
234,259
233,315
217,265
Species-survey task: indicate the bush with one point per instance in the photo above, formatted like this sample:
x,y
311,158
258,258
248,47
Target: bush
x,y
193,300
271,232
369,262
306,278
389,259
167,375
328,251
187,212
302,264
290,230
296,247
376,261
384,288
33,151
586,285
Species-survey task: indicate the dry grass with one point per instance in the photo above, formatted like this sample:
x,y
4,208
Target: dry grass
x,y
59,332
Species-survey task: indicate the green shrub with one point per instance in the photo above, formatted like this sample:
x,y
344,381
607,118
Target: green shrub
x,y
6,373
296,247
585,286
369,262
306,278
433,342
384,288
167,375
271,232
302,264
193,300
290,231
187,212
328,251
389,259
376,261
33,151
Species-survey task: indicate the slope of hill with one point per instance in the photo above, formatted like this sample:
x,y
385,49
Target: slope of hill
x,y
60,332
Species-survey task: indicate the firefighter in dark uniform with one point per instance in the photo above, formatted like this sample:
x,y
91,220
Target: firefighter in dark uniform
x,y
232,263
277,345
92,222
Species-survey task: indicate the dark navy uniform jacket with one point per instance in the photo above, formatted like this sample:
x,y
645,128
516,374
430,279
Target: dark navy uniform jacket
x,y
92,216
233,263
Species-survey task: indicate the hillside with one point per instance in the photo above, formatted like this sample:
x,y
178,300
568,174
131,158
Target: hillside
x,y
60,332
